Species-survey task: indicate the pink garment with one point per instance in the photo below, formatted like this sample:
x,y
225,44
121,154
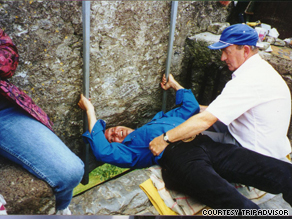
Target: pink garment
x,y
8,56
16,95
8,63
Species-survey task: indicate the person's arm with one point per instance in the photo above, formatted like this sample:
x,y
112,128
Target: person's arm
x,y
113,153
171,83
87,106
190,128
184,97
202,108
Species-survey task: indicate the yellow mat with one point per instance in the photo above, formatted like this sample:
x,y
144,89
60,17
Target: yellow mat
x,y
180,204
155,198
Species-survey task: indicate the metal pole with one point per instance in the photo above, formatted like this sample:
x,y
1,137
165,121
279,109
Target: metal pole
x,y
86,57
169,50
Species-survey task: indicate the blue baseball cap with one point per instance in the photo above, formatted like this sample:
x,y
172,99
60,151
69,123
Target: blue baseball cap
x,y
237,34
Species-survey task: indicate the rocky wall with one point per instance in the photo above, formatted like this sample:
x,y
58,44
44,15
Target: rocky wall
x,y
23,192
128,51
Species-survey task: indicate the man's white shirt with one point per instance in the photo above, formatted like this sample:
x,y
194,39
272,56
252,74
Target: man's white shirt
x,y
256,107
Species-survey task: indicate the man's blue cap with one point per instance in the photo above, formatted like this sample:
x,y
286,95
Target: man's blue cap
x,y
237,34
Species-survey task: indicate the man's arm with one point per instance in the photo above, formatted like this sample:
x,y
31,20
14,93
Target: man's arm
x,y
202,108
171,83
190,128
86,105
188,105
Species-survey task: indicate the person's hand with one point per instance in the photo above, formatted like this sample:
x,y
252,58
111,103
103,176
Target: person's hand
x,y
164,83
171,83
167,84
85,104
157,145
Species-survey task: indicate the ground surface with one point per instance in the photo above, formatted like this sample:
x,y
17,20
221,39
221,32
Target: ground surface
x,y
123,196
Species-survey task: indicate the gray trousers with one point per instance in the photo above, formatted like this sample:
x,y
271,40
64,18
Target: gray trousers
x,y
221,134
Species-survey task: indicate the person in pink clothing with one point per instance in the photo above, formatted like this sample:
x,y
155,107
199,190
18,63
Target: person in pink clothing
x,y
27,137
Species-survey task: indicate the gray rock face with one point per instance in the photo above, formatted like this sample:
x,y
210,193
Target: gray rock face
x,y
24,193
217,28
128,50
121,196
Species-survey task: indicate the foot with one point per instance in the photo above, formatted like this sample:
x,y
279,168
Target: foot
x,y
2,208
66,211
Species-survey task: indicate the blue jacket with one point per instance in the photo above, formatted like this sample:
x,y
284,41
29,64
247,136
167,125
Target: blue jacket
x,y
134,151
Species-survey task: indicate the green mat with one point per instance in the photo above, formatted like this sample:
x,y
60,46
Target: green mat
x,y
99,175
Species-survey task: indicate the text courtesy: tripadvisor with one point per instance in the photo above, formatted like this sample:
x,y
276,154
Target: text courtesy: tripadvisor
x,y
245,212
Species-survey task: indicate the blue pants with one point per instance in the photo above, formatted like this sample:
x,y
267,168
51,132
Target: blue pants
x,y
29,143
204,169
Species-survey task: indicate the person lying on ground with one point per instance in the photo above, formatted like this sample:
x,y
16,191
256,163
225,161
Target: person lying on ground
x,y
200,168
126,147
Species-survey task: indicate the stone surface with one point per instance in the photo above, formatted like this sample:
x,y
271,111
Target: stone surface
x,y
206,74
24,193
121,196
276,202
128,51
217,28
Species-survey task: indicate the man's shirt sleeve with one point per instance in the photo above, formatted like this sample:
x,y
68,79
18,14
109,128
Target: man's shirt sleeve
x,y
113,153
235,99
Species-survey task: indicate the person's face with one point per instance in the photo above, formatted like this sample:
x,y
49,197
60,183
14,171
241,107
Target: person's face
x,y
117,134
233,57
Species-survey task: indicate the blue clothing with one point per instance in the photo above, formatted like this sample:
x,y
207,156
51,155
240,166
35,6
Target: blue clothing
x,y
134,150
36,148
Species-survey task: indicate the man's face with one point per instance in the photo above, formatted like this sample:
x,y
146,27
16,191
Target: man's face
x,y
233,57
117,134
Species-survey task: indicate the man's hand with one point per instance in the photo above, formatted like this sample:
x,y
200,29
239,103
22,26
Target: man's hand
x,y
164,83
171,83
157,145
85,104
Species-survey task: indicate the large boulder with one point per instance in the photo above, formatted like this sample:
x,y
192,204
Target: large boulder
x,y
23,192
128,51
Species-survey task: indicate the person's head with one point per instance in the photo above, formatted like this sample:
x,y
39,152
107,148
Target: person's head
x,y
8,56
237,43
117,134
